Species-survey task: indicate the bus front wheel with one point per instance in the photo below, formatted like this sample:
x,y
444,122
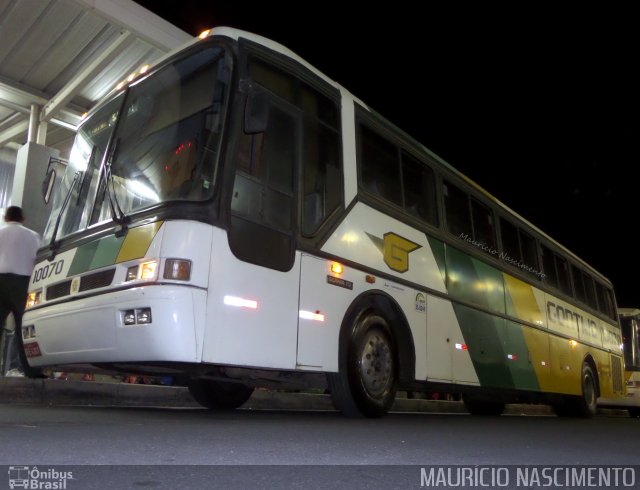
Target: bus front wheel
x,y
366,384
219,395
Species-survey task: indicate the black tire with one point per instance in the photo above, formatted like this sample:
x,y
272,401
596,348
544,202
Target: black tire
x,y
219,395
366,383
634,413
587,404
483,407
584,406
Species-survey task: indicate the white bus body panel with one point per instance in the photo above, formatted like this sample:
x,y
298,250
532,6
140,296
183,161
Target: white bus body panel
x,y
264,336
437,358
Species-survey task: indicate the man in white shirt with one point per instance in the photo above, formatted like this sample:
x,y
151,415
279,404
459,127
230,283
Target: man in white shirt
x,y
18,249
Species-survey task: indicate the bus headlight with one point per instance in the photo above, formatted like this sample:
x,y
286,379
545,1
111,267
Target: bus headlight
x,y
177,269
142,272
34,298
148,270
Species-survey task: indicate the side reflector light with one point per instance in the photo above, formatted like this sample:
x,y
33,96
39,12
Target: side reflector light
x,y
309,315
204,34
462,347
573,343
177,269
336,268
512,357
241,302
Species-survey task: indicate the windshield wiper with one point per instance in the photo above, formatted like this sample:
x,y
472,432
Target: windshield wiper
x,y
117,215
53,246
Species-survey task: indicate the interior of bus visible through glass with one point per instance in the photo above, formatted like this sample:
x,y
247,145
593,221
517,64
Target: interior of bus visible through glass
x,y
156,142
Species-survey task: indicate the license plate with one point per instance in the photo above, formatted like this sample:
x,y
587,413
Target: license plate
x,y
32,349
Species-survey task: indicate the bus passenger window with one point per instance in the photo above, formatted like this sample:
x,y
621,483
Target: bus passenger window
x,y
456,205
549,267
482,219
563,275
419,189
578,284
380,171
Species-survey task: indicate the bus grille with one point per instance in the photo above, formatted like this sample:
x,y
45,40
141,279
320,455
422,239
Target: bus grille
x,y
59,290
616,373
88,282
97,280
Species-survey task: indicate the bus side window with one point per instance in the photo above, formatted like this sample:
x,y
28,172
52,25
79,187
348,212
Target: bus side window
x,y
419,189
549,267
380,166
456,204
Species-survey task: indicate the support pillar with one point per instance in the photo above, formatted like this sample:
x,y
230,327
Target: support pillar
x,y
31,167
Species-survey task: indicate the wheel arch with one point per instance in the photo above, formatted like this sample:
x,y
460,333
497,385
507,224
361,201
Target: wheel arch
x,y
385,305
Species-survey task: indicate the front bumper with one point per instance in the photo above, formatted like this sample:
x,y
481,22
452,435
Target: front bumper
x,y
92,329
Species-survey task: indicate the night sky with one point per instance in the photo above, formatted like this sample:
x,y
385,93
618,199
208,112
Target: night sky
x,y
539,107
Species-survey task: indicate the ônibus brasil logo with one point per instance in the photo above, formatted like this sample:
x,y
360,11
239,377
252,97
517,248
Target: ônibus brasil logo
x,y
32,478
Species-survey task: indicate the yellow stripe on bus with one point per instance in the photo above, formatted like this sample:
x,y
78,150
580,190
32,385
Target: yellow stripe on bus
x,y
137,242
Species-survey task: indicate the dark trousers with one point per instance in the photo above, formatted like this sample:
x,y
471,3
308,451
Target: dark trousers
x,y
13,296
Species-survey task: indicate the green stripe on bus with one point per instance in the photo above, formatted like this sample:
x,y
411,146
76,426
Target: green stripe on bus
x,y
93,255
518,359
82,259
484,336
106,253
437,248
497,347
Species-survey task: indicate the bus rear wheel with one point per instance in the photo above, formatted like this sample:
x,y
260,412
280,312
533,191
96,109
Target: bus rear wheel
x,y
586,405
367,384
219,395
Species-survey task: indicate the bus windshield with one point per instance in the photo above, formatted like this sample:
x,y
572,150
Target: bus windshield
x,y
158,142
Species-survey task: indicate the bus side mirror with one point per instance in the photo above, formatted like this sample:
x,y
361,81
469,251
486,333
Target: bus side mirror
x,y
47,185
256,114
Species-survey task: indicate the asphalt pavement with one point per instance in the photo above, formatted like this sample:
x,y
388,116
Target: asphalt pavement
x,y
94,393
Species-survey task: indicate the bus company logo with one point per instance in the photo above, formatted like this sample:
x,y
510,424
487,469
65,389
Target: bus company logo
x,y
395,250
33,478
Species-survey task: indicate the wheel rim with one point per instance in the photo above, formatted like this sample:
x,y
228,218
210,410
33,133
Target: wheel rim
x,y
589,390
376,363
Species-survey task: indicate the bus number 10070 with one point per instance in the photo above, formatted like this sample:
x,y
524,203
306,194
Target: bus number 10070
x,y
47,271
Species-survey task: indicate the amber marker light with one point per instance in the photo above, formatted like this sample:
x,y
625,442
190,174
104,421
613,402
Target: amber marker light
x,y
336,268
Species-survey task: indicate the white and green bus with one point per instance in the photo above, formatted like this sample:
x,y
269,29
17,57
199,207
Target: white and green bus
x,y
234,217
